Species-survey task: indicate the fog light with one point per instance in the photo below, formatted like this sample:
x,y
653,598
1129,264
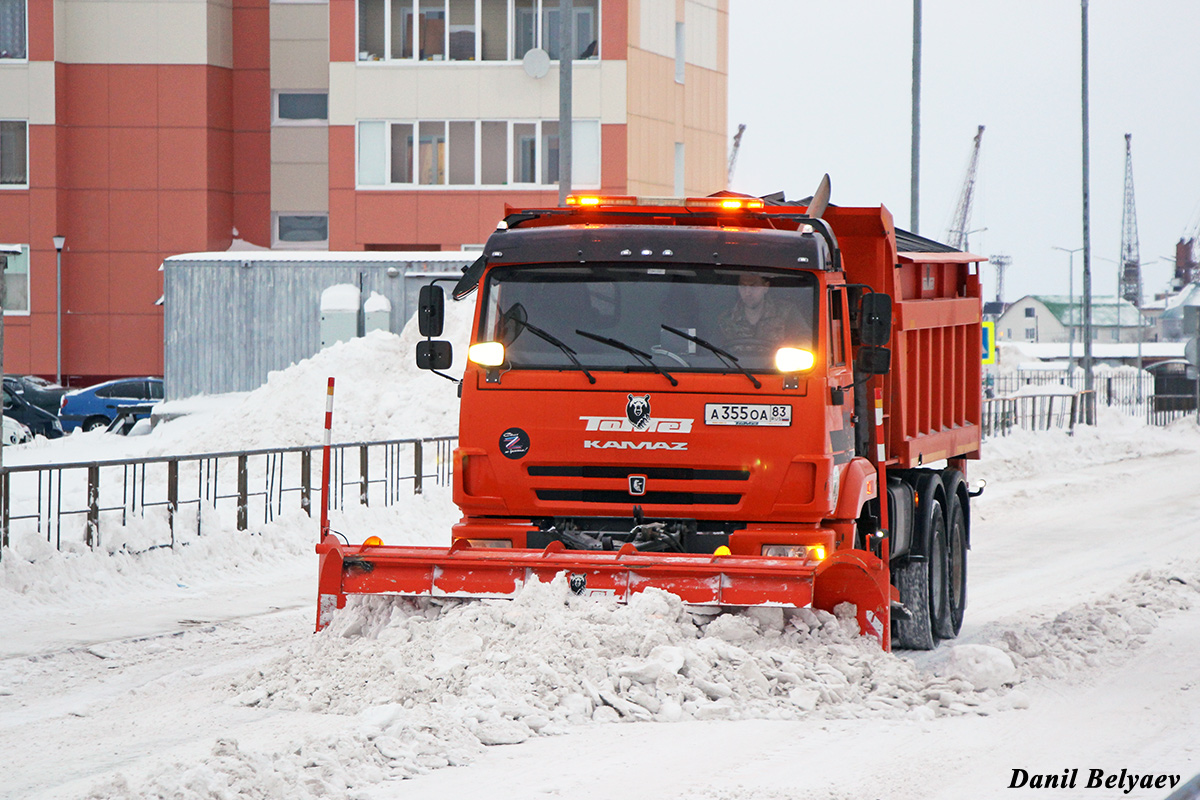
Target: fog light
x,y
793,359
486,354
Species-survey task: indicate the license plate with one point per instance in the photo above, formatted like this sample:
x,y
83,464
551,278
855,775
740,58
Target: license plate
x,y
747,414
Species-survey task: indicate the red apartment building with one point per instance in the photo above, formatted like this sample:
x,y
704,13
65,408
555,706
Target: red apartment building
x,y
140,129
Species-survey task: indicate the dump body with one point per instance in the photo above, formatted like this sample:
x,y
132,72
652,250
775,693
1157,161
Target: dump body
x,y
932,400
675,396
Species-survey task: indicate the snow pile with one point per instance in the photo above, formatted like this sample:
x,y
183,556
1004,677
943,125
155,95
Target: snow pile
x,y
1117,437
1101,632
379,394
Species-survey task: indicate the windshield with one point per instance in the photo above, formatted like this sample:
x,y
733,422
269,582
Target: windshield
x,y
748,313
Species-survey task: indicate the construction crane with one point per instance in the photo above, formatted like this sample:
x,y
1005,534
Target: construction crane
x,y
1130,274
1187,255
956,234
737,142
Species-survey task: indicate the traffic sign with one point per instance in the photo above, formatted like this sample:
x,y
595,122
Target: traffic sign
x,y
989,343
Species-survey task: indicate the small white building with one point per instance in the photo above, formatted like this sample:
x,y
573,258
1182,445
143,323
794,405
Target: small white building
x,y
1059,318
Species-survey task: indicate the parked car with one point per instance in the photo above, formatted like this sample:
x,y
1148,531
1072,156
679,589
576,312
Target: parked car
x,y
44,394
15,432
97,406
39,421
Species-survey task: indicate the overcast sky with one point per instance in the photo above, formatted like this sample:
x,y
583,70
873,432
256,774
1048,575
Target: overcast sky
x,y
827,87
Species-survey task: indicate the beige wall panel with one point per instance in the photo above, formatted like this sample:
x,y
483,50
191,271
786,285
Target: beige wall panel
x,y
300,21
27,92
705,100
706,163
463,92
300,64
700,34
651,156
656,27
652,87
220,34
99,32
300,144
299,187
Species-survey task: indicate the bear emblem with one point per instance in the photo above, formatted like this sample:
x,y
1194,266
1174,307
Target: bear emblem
x,y
638,411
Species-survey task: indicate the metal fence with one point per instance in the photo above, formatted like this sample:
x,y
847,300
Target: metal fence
x,y
1131,393
73,504
1033,412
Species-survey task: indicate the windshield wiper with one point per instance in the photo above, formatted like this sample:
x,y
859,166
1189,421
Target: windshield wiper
x,y
541,334
729,358
645,357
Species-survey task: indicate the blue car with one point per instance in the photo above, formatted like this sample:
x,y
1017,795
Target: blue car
x,y
98,406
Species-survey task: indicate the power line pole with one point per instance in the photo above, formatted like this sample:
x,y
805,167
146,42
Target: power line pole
x,y
1090,403
915,199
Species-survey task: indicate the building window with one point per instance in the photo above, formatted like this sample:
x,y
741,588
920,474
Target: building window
x,y
301,108
470,30
471,153
1030,312
16,276
1031,333
13,38
14,154
680,52
680,175
307,231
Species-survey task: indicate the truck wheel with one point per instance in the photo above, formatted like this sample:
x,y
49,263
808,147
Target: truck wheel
x,y
950,623
912,580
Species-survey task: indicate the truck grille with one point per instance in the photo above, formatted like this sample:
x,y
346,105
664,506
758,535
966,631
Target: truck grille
x,y
589,492
649,498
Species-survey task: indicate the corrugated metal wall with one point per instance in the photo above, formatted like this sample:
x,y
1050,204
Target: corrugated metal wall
x,y
229,321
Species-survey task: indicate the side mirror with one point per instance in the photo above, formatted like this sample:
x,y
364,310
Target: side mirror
x,y
431,310
470,279
876,320
873,360
434,354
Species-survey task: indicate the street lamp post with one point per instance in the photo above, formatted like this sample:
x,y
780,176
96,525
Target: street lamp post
x,y
1071,303
59,241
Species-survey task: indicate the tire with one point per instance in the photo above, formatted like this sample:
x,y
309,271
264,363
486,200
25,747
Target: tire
x,y
950,623
939,563
922,587
912,580
92,423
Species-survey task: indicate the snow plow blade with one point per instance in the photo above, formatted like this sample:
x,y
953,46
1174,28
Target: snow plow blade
x,y
462,571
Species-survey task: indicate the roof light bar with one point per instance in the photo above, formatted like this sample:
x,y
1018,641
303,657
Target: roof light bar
x,y
718,203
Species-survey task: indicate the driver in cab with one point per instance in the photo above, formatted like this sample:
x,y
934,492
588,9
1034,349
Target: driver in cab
x,y
758,321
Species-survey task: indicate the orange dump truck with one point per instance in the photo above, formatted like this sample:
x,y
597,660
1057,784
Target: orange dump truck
x,y
710,396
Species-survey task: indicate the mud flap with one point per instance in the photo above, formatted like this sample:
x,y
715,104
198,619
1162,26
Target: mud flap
x,y
854,576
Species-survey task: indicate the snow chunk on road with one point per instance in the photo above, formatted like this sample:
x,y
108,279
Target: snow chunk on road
x,y
981,665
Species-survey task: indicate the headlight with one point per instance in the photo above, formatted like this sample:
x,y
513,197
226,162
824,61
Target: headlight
x,y
490,542
793,359
486,354
810,552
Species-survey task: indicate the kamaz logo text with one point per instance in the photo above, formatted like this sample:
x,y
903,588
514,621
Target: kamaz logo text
x,y
659,425
596,444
